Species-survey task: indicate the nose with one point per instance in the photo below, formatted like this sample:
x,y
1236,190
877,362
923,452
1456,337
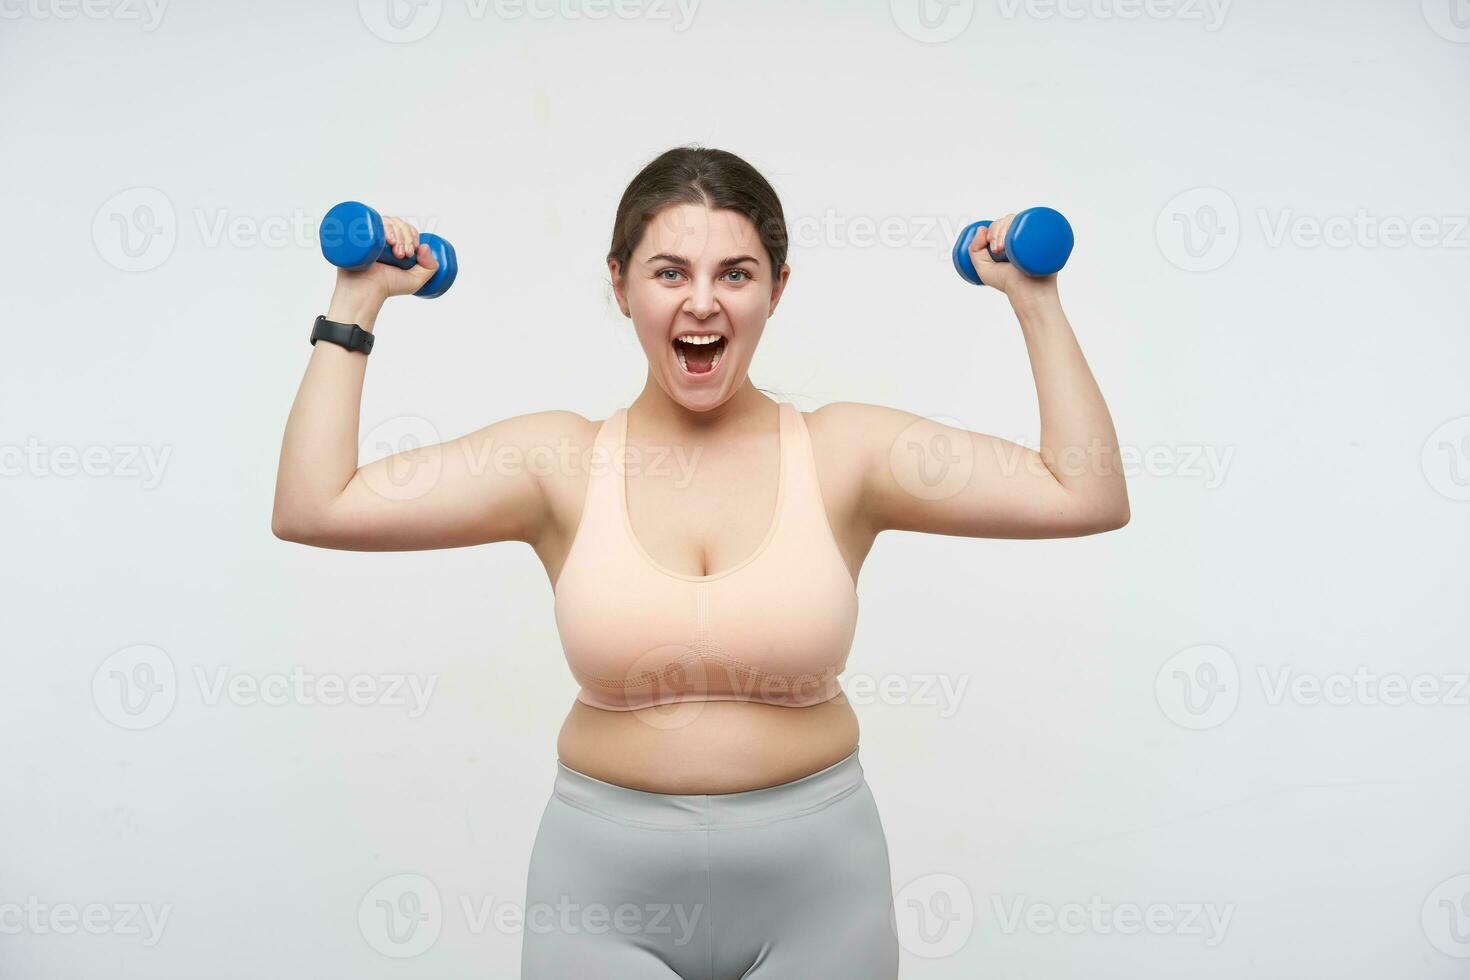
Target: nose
x,y
700,303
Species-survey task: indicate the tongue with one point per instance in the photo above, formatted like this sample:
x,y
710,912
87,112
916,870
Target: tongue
x,y
700,357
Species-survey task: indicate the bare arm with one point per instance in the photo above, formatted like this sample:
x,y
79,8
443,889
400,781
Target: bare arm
x,y
922,475
461,492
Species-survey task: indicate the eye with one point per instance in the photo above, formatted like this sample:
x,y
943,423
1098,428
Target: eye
x,y
745,276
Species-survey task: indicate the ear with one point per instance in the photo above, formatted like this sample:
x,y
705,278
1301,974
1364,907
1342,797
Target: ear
x,y
779,287
619,291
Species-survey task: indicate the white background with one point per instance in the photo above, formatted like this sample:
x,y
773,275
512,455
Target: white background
x,y
1121,740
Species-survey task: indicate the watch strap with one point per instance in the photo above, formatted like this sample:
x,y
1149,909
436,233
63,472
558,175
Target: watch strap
x,y
348,335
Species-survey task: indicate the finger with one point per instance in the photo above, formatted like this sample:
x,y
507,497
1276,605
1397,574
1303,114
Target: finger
x,y
394,229
404,236
389,235
413,239
1001,228
425,258
978,245
404,233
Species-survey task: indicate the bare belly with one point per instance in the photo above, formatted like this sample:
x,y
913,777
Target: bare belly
x,y
706,746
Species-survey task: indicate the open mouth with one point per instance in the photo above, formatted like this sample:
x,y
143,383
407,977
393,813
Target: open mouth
x,y
699,354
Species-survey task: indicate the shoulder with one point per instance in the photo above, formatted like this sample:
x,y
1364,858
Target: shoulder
x,y
564,422
857,425
553,427
849,439
861,442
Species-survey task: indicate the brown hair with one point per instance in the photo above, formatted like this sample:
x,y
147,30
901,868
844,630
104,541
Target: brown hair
x,y
695,175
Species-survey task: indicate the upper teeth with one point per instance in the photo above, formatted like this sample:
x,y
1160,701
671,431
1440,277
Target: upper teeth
x,y
709,338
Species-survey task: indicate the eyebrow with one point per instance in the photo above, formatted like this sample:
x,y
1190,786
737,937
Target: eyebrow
x,y
680,260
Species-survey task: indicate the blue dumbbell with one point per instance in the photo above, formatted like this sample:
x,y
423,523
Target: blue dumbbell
x,y
1038,243
352,238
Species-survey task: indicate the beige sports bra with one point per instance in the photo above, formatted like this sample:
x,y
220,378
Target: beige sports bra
x,y
776,628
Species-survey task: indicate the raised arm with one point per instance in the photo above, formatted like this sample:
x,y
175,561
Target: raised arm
x,y
921,475
462,492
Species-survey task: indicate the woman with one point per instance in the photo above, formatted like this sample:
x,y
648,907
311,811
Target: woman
x,y
709,816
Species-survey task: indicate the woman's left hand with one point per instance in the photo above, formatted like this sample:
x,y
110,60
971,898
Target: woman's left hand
x,y
1018,287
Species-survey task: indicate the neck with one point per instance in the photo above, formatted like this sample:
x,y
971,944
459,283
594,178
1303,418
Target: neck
x,y
656,411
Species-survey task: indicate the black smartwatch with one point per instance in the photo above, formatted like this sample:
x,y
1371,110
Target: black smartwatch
x,y
348,335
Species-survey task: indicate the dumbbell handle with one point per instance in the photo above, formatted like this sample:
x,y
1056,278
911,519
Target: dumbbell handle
x,y
407,262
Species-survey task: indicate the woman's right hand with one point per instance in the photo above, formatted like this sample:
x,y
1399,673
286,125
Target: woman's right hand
x,y
370,287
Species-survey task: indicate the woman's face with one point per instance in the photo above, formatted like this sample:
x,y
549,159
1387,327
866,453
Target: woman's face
x,y
699,273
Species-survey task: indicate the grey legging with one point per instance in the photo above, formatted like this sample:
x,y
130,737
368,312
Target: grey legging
x,y
784,882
